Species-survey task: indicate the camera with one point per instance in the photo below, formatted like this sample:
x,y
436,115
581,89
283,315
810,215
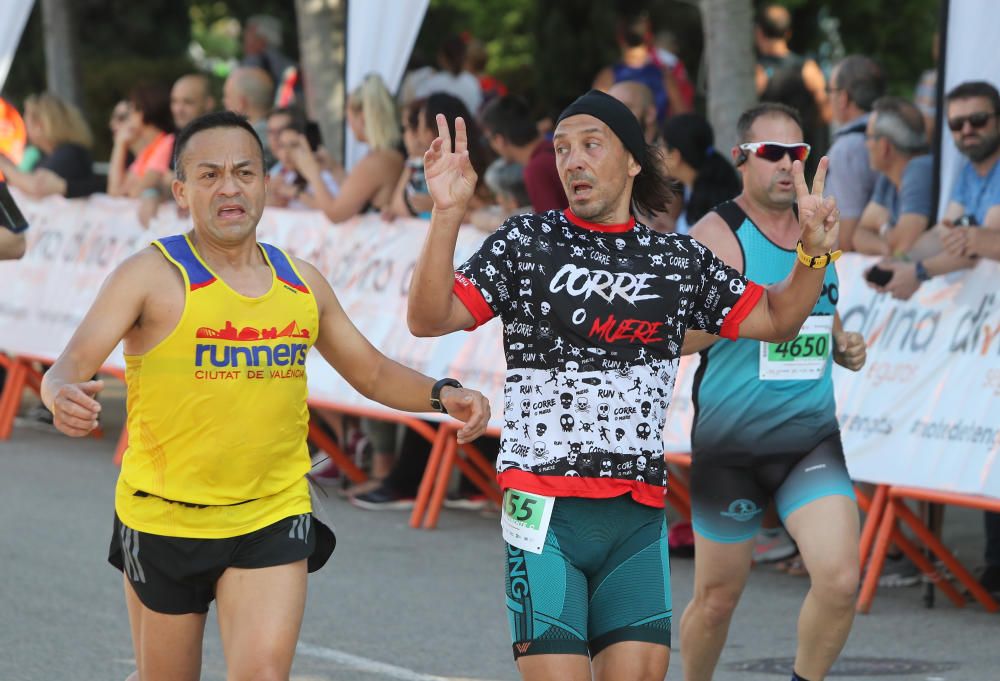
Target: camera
x,y
10,215
879,276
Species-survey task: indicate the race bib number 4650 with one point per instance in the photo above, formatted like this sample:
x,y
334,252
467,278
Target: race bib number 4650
x,y
801,359
525,519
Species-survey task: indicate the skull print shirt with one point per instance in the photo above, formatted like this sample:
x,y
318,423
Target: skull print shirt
x,y
594,317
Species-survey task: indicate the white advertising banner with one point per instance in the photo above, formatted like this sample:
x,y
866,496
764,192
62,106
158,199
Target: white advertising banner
x,y
74,245
925,410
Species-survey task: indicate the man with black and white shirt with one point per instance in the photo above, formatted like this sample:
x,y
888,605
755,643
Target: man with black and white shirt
x,y
594,307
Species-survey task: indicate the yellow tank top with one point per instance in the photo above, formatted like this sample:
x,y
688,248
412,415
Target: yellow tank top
x,y
217,415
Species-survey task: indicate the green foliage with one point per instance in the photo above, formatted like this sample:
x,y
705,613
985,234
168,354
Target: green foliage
x,y
897,34
548,52
574,40
503,26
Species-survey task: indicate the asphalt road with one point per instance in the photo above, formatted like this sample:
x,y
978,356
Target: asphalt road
x,y
394,603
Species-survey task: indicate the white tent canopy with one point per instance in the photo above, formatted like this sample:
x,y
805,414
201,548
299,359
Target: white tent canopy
x,y
13,16
380,37
969,55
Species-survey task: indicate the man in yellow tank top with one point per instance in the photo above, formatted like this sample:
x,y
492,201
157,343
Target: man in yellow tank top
x,y
212,500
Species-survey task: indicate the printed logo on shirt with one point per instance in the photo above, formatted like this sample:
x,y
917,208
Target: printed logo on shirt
x,y
246,354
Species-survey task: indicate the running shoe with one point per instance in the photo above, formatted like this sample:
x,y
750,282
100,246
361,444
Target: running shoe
x,y
990,580
326,473
382,498
771,545
466,502
898,572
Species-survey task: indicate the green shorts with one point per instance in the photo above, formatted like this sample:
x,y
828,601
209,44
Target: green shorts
x,y
603,577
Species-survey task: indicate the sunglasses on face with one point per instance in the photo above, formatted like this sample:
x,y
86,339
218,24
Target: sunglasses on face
x,y
775,151
976,120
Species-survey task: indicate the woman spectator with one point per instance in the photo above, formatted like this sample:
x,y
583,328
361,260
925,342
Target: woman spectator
x,y
372,117
148,132
411,197
60,132
289,188
708,178
411,190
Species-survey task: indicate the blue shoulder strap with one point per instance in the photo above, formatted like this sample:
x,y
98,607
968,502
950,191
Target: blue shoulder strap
x,y
283,268
179,250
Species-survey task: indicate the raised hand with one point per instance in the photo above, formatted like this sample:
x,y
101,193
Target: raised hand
x,y
470,406
450,177
819,218
849,350
74,409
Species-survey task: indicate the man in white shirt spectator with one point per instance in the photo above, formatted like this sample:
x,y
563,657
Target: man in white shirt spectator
x,y
453,79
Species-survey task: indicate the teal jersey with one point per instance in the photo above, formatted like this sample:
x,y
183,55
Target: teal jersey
x,y
736,412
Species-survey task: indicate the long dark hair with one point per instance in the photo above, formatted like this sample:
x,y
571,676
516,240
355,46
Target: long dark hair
x,y
715,179
153,101
452,107
653,189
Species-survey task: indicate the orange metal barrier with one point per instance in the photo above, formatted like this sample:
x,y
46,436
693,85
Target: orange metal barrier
x,y
889,532
446,454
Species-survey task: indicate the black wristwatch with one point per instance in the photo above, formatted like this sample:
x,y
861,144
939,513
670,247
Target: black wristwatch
x,y
921,271
436,393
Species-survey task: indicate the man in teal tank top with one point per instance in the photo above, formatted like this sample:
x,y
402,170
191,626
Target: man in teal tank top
x,y
765,422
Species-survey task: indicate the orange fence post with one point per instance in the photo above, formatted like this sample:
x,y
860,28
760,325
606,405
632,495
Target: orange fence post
x,y
428,478
344,463
472,467
877,562
441,479
937,547
873,510
10,400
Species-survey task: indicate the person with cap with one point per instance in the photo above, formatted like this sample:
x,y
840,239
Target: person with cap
x,y
594,306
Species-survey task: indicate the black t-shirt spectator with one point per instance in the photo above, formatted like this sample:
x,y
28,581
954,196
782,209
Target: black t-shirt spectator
x,y
74,164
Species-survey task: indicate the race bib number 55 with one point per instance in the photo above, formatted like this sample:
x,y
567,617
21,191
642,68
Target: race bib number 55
x,y
525,519
801,359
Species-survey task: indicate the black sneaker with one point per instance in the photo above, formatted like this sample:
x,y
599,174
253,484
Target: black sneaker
x,y
383,498
990,580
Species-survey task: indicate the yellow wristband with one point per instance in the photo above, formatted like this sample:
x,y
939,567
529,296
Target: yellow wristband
x,y
817,262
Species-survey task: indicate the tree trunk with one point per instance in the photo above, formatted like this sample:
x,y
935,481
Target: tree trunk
x,y
322,51
60,50
728,26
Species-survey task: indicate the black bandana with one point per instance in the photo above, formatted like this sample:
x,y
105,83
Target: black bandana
x,y
615,115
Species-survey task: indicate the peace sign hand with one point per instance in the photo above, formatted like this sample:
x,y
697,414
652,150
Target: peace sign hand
x,y
819,218
450,177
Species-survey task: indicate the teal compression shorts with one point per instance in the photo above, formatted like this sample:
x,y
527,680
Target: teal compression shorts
x,y
603,577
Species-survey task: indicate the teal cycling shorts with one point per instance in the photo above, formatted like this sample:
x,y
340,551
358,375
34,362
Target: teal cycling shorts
x,y
603,577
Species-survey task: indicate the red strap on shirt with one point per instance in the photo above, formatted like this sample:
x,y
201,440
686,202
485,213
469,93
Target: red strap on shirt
x,y
741,310
473,300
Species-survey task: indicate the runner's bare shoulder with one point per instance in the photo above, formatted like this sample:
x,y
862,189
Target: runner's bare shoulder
x,y
315,280
713,232
147,274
